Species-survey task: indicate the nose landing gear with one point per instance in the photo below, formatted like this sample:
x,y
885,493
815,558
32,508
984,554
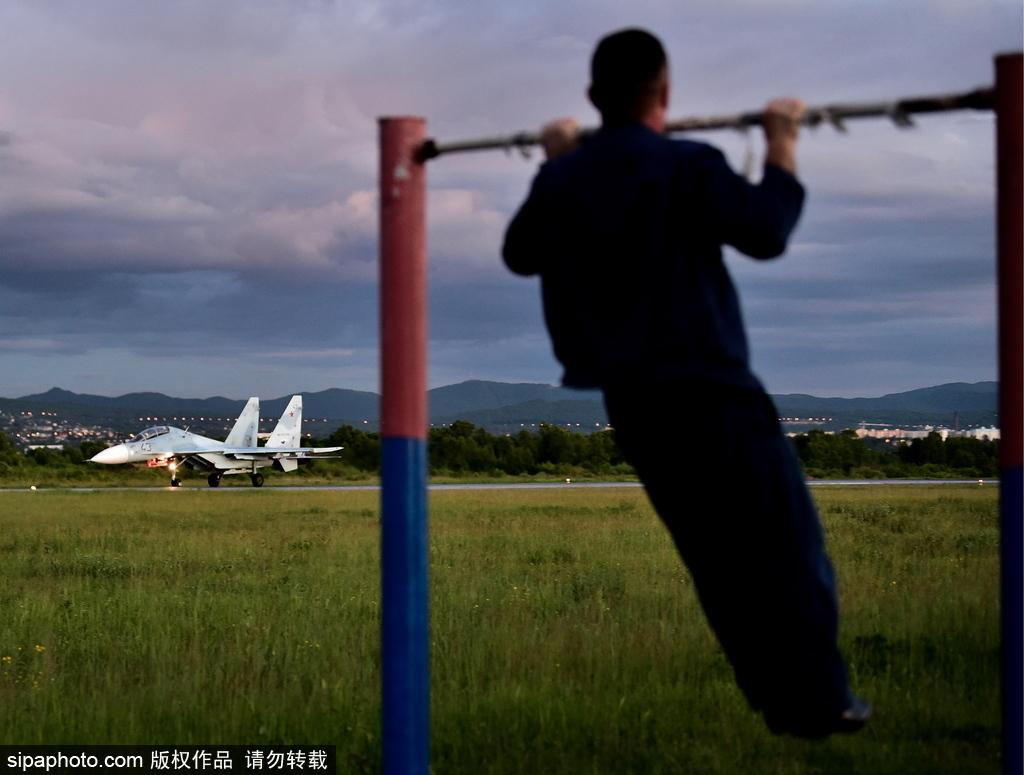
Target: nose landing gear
x,y
213,479
257,480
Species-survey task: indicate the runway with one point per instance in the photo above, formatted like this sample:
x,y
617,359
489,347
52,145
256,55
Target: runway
x,y
198,486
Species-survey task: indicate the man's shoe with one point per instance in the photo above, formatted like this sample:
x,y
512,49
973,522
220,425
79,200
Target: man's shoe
x,y
855,717
851,720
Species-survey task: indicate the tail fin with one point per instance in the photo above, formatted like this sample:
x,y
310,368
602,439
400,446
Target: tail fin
x,y
288,432
244,432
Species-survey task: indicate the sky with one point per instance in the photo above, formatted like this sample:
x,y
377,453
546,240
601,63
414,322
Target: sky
x,y
188,199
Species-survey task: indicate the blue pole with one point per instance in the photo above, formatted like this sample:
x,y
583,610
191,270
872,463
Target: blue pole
x,y
404,623
1012,539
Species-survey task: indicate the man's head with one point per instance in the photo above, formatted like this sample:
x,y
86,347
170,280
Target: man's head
x,y
629,79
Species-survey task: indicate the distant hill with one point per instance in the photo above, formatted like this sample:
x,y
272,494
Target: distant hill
x,y
967,403
122,413
133,403
586,413
955,396
477,395
508,407
335,403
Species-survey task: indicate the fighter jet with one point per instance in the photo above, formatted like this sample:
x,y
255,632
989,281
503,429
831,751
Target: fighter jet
x,y
239,453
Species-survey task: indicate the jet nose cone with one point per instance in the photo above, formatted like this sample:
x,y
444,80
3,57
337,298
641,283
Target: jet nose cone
x,y
112,455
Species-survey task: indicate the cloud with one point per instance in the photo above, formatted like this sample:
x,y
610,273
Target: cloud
x,y
192,182
465,233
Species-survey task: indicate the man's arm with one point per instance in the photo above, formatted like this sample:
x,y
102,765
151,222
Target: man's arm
x,y
758,219
525,234
528,232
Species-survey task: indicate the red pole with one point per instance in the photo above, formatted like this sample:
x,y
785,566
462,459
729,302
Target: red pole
x,y
405,683
1009,206
403,251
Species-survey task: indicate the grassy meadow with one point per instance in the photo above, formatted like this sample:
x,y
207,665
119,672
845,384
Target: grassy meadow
x,y
565,633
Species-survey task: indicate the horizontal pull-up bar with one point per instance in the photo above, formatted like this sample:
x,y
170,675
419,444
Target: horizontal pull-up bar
x,y
899,111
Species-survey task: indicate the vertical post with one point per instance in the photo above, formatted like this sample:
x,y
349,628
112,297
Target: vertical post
x,y
1009,204
405,686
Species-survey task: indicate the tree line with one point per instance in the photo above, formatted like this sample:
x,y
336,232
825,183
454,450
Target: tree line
x,y
463,449
830,456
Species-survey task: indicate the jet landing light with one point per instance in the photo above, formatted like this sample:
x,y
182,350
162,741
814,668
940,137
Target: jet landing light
x,y
112,455
157,462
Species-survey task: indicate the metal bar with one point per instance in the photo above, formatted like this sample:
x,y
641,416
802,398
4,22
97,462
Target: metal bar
x,y
405,684
897,110
1009,205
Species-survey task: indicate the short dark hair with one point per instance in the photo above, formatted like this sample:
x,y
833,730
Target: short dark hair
x,y
625,71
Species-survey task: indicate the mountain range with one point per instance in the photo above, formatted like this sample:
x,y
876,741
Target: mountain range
x,y
508,407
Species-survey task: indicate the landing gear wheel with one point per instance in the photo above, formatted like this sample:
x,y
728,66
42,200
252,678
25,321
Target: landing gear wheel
x,y
213,480
175,482
257,480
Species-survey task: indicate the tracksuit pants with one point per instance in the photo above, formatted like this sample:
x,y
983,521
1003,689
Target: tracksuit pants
x,y
727,484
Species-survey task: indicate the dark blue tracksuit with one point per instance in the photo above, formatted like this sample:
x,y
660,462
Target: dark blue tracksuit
x,y
626,235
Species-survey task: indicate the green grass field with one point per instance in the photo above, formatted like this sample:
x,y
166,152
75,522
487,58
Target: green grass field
x,y
565,633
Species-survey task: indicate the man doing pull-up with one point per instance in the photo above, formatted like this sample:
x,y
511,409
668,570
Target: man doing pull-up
x,y
626,232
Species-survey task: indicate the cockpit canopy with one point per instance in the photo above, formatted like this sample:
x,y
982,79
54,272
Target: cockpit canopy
x,y
150,433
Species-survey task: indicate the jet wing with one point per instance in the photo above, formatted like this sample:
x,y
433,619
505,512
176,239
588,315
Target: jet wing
x,y
255,453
